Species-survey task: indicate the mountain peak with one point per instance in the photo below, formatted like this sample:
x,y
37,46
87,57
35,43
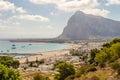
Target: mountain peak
x,y
78,12
84,26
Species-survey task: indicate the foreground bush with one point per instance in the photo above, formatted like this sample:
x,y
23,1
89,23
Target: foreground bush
x,y
65,70
8,74
9,62
116,66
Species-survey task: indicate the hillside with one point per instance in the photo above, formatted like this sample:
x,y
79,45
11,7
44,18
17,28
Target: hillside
x,y
83,26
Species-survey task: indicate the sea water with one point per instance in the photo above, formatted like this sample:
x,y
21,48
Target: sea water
x,y
25,47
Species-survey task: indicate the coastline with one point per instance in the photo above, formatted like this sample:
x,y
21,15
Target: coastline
x,y
49,54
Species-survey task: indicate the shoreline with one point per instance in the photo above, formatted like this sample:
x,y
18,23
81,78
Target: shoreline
x,y
49,54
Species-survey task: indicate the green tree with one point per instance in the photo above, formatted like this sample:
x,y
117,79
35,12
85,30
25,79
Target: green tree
x,y
9,62
114,41
93,53
65,70
8,74
108,54
102,56
107,45
15,64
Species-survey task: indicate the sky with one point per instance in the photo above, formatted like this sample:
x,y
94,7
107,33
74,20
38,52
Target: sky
x,y
47,18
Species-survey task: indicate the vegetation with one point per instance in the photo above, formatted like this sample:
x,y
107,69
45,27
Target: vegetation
x,y
74,52
9,62
109,54
116,66
96,67
8,74
36,63
92,56
65,70
38,76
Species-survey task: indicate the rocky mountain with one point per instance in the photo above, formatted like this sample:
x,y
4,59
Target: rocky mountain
x,y
83,26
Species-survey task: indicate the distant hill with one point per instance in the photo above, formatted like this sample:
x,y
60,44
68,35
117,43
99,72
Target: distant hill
x,y
83,26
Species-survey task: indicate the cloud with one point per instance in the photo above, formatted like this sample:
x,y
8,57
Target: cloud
x,y
47,1
74,5
32,17
20,10
113,2
8,6
96,12
9,22
5,6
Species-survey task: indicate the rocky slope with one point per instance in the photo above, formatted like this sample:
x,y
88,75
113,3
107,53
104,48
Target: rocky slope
x,y
84,26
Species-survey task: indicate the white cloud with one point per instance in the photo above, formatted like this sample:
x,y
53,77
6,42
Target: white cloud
x,y
74,5
47,1
113,2
8,6
9,21
5,6
20,10
96,12
32,17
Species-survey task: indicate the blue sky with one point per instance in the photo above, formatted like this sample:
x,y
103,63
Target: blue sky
x,y
47,18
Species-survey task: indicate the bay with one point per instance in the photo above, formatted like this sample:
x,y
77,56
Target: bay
x,y
25,47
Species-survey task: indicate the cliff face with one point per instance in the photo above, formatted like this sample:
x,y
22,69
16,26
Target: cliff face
x,y
84,26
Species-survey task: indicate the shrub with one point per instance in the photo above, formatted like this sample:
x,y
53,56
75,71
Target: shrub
x,y
74,52
38,76
65,70
9,62
91,69
93,53
116,66
8,74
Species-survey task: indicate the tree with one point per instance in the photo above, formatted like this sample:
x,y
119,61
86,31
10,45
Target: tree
x,y
93,53
102,56
107,45
9,61
65,70
108,54
114,41
15,64
8,74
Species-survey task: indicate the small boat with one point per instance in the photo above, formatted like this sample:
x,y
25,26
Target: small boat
x,y
1,51
22,46
13,48
30,44
8,51
13,45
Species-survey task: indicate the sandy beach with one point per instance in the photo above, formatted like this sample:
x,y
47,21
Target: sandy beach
x,y
50,54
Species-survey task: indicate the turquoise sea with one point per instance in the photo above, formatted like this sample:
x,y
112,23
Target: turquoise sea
x,y
25,47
